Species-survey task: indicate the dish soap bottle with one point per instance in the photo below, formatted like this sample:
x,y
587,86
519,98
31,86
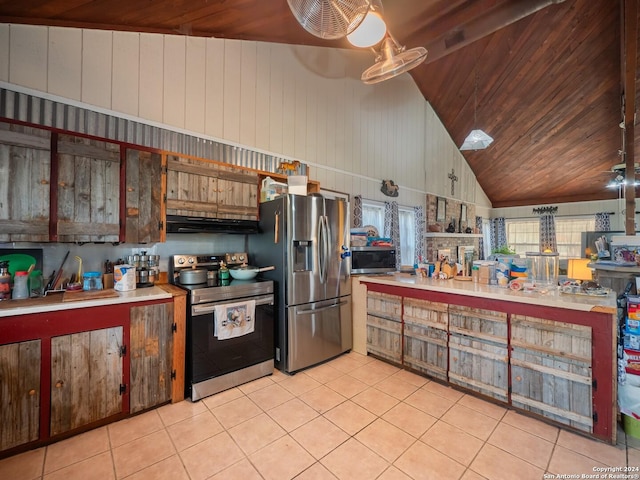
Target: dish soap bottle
x,y
224,274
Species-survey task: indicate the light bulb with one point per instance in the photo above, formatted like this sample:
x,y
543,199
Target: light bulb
x,y
370,32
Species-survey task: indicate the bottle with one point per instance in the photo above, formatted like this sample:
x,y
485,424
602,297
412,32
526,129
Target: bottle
x,y
20,285
223,274
36,284
5,281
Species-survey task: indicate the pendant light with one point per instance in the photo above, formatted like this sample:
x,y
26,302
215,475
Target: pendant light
x,y
477,139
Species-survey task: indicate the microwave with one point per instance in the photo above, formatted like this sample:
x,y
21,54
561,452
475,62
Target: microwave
x,y
373,260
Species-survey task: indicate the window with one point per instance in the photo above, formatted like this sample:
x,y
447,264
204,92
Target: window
x,y
373,214
523,235
407,222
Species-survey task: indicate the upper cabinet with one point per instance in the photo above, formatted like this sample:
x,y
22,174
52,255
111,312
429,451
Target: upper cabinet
x,y
25,165
88,190
145,181
201,188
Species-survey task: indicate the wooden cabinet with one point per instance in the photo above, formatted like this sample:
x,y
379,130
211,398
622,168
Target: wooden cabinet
x,y
62,372
86,374
25,165
551,372
145,181
557,363
87,183
151,356
19,393
202,188
478,357
426,325
384,326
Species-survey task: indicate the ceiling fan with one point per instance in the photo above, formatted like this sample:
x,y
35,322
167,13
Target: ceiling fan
x,y
333,19
620,169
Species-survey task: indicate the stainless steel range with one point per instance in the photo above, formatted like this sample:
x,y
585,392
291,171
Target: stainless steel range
x,y
230,324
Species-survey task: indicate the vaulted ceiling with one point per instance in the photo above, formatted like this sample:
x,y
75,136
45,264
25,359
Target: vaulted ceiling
x,y
549,74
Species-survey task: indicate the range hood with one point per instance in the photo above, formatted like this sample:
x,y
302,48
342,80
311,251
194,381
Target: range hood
x,y
184,224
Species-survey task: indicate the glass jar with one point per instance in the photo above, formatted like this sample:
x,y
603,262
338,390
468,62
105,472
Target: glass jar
x,y
20,285
36,284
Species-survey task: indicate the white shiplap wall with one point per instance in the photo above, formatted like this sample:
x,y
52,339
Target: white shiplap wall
x,y
306,103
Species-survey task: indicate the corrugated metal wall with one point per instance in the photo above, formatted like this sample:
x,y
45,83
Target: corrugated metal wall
x,y
40,111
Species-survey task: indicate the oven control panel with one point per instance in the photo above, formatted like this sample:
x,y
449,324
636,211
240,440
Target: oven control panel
x,y
199,260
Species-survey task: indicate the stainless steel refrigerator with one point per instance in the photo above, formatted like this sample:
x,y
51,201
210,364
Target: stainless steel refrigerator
x,y
307,238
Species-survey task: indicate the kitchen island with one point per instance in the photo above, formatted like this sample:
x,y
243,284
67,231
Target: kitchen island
x,y
552,354
75,363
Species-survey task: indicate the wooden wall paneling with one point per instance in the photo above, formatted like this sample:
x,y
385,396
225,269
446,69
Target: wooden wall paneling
x,y
64,61
276,97
4,52
97,51
248,86
151,85
214,88
20,395
237,193
263,97
291,70
174,74
316,125
25,162
300,115
126,72
28,56
232,71
195,84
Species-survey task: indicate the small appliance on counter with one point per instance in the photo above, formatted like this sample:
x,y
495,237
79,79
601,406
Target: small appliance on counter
x,y
371,260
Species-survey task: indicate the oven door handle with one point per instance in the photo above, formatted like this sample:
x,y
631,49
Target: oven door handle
x,y
321,309
210,308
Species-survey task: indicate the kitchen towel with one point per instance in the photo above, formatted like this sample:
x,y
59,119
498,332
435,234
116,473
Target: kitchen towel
x,y
234,319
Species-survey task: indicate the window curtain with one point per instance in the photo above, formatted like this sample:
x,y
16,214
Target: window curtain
x,y
480,240
392,228
548,233
498,233
603,222
357,211
421,228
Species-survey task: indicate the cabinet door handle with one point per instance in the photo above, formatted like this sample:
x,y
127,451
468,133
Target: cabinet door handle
x,y
59,384
32,392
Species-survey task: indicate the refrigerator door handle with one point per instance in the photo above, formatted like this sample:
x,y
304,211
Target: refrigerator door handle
x,y
322,248
321,309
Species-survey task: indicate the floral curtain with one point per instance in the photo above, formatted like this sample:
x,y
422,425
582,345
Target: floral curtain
x,y
392,228
357,211
421,228
480,240
548,233
498,232
603,222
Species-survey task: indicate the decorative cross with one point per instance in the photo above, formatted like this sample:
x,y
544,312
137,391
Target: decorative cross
x,y
454,179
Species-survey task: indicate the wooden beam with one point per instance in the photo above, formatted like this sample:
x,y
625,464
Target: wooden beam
x,y
629,58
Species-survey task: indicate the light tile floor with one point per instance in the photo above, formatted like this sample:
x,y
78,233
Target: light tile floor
x,y
352,418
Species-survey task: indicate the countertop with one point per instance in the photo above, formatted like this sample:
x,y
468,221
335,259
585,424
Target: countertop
x,y
586,303
54,302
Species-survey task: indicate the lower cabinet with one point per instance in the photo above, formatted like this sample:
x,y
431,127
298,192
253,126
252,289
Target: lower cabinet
x,y
425,336
90,366
384,326
151,356
535,364
86,374
19,393
478,356
551,372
